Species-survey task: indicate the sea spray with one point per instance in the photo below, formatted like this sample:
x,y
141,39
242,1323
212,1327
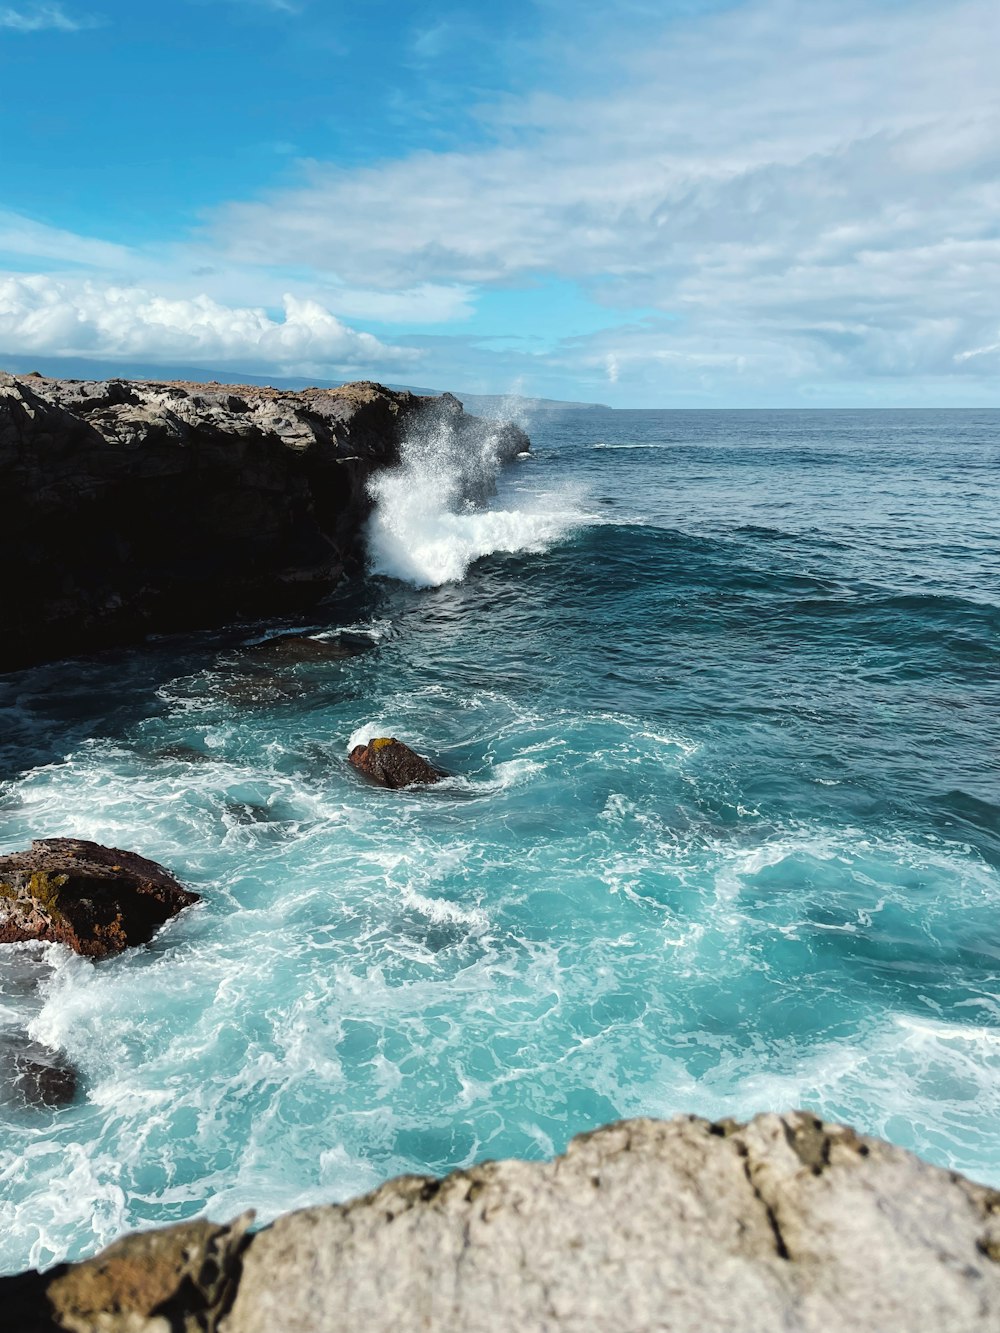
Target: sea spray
x,y
433,515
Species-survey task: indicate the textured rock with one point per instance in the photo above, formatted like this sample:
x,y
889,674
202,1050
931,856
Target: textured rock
x,y
784,1225
138,507
97,900
390,763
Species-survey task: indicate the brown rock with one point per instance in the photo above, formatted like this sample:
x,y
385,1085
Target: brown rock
x,y
390,763
182,1278
97,900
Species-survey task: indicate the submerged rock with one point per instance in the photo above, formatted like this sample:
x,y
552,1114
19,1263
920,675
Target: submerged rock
x,y
97,900
186,754
390,763
293,648
34,1076
261,689
784,1225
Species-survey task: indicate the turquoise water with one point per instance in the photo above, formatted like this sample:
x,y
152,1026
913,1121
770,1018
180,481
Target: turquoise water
x,y
720,693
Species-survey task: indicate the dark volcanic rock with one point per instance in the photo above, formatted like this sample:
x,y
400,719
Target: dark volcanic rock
x,y
392,764
97,900
131,508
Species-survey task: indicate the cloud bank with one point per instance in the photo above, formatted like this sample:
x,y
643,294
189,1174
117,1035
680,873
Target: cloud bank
x,y
39,313
803,191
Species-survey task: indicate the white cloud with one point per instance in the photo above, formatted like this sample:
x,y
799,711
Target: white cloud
x,y
39,313
806,189
42,17
190,271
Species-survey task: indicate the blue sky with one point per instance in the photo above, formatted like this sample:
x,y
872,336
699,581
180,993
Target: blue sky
x,y
651,204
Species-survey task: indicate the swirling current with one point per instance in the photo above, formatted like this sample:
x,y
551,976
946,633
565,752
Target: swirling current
x,y
719,695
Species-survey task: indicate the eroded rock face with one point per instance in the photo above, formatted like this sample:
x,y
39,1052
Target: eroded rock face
x,y
97,900
139,507
784,1225
390,763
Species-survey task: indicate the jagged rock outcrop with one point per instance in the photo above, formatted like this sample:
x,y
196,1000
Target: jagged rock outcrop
x,y
97,900
784,1225
390,763
131,508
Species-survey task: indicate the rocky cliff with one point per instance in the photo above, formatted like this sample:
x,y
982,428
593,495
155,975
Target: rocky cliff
x,y
131,508
786,1223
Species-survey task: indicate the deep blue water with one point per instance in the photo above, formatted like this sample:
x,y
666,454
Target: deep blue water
x,y
722,706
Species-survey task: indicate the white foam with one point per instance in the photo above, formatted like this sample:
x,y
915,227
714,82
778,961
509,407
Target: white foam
x,y
430,520
443,912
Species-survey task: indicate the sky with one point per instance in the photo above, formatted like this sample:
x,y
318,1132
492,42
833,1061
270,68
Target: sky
x,y
650,203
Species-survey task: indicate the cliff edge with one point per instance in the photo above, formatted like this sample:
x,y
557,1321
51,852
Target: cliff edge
x,y
139,507
786,1223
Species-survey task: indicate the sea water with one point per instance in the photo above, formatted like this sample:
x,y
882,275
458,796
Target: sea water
x,y
719,698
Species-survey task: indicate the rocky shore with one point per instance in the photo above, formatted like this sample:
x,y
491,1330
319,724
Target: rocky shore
x,y
786,1223
132,508
137,508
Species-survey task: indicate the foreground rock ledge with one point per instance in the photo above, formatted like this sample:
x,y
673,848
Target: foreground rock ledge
x,y
786,1223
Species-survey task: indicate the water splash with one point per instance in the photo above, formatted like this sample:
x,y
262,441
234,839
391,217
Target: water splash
x,y
433,514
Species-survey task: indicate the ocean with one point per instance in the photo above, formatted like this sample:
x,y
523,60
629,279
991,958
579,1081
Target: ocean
x,y
719,698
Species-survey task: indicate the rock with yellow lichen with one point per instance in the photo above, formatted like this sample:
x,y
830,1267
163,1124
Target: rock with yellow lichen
x,y
97,900
390,763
